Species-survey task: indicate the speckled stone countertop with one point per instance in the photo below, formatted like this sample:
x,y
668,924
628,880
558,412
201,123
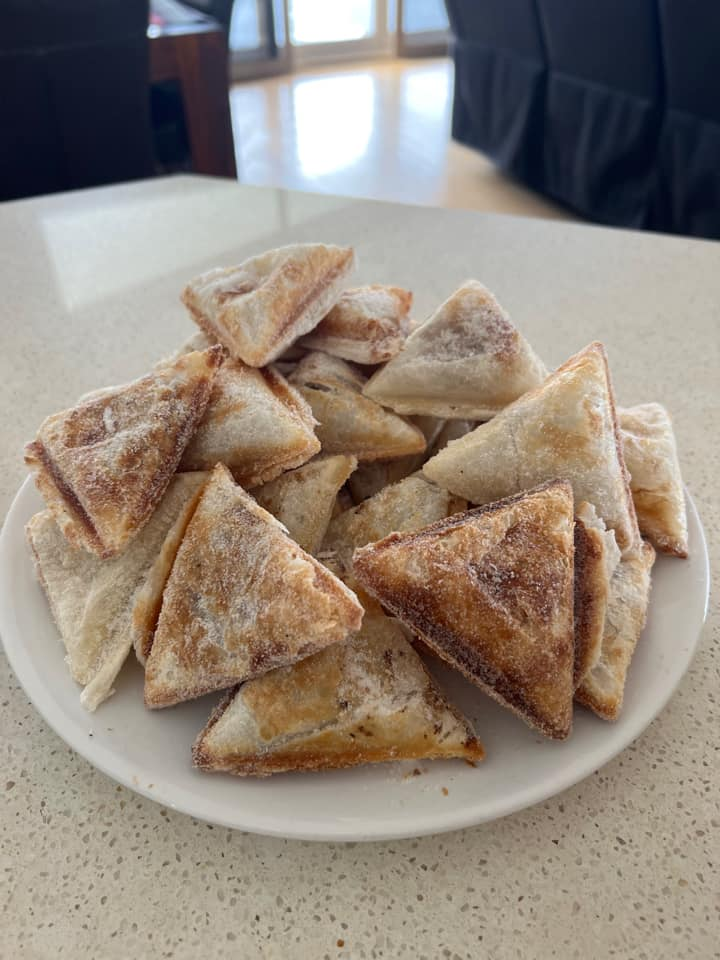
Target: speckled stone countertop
x,y
622,865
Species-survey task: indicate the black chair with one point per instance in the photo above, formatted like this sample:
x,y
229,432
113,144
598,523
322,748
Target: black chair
x,y
689,153
603,110
74,108
500,82
608,106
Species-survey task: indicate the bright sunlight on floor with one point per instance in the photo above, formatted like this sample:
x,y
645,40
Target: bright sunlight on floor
x,y
379,130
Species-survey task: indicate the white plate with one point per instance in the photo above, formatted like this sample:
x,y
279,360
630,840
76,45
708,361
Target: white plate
x,y
150,751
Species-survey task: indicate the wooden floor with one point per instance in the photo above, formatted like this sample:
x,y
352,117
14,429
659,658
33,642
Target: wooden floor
x,y
379,130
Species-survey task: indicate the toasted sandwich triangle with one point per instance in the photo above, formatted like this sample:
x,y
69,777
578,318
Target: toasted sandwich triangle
x,y
655,480
367,325
466,361
491,592
364,701
259,308
411,504
303,499
98,605
596,557
242,599
103,465
566,428
255,423
603,687
349,422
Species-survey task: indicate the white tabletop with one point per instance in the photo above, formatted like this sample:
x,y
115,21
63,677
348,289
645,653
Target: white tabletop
x,y
621,865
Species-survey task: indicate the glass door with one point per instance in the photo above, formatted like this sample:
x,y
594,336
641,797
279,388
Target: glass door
x,y
422,28
257,38
273,36
337,29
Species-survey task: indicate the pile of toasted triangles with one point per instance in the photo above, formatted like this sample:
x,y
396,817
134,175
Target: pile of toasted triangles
x,y
307,493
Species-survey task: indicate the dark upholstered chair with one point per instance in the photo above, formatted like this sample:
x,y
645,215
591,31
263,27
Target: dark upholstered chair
x,y
500,82
602,111
74,107
689,153
612,107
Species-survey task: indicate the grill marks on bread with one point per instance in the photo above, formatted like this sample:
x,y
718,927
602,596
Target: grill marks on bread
x,y
364,701
103,465
491,591
259,308
242,598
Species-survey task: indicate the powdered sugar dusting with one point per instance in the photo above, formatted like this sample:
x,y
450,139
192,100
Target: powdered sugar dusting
x,y
111,457
408,505
258,308
366,325
255,423
242,599
466,360
367,699
491,590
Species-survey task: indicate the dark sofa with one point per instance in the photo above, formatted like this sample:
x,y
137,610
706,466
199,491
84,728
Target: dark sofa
x,y
611,108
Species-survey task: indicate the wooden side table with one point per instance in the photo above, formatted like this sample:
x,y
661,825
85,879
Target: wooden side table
x,y
196,56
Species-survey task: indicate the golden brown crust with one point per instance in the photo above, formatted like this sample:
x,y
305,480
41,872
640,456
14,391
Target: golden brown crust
x,y
148,602
603,688
655,478
348,422
367,325
200,319
242,599
367,700
491,592
287,395
565,428
420,645
69,513
255,423
473,753
303,499
103,465
466,361
257,309
200,757
297,306
590,598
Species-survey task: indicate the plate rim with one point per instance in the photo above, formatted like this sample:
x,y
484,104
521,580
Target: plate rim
x,y
118,770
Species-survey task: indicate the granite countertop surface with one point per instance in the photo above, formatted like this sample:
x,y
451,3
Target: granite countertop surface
x,y
622,865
